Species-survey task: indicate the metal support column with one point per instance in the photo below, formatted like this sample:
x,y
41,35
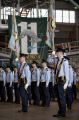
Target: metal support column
x,y
18,7
0,12
77,32
31,12
37,8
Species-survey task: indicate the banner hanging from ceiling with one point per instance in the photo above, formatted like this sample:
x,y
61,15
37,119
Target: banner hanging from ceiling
x,y
32,32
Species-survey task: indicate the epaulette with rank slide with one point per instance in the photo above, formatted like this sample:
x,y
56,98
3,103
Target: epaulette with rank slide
x,y
65,59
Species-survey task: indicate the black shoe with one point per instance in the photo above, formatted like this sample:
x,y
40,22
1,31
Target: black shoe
x,y
19,111
17,102
52,99
7,100
59,115
42,105
69,107
34,103
46,105
30,103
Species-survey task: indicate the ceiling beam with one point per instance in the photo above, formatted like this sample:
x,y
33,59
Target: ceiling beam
x,y
74,3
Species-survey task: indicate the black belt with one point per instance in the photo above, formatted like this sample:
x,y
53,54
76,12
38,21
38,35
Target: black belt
x,y
22,81
60,79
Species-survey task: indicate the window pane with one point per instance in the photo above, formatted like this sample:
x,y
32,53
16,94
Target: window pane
x,y
44,12
5,16
1,16
58,15
66,16
72,16
1,11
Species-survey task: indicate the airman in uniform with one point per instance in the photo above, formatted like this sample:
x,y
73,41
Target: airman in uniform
x,y
24,82
62,79
9,84
44,84
35,83
16,85
51,85
2,84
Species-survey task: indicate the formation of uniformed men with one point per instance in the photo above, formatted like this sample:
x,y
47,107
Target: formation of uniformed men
x,y
40,85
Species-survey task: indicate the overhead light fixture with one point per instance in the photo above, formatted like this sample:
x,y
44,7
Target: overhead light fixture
x,y
75,8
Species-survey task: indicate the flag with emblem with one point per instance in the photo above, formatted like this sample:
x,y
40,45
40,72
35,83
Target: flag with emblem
x,y
14,39
51,25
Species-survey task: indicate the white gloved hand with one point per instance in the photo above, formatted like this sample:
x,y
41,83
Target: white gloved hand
x,y
65,86
26,86
46,86
37,85
10,85
70,85
53,83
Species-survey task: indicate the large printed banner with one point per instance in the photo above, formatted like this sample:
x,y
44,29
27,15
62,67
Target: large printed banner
x,y
31,32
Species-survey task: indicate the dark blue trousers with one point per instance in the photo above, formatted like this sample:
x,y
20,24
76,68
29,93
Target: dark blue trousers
x,y
45,96
74,91
17,93
9,92
2,91
69,97
51,91
29,94
35,93
24,97
55,90
61,98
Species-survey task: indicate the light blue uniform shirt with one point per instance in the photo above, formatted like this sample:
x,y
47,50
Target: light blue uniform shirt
x,y
3,77
36,75
64,70
70,76
52,77
52,59
26,73
9,78
74,78
45,75
15,77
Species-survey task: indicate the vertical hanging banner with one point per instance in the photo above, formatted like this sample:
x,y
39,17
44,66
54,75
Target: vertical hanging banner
x,y
14,39
24,46
51,25
31,32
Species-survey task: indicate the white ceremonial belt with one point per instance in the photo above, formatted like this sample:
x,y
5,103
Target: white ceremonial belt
x,y
50,81
34,80
15,81
43,80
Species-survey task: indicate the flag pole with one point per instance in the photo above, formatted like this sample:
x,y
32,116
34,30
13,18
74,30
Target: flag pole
x,y
0,12
51,15
37,8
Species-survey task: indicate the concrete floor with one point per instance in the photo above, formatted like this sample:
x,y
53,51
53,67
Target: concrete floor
x,y
8,111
